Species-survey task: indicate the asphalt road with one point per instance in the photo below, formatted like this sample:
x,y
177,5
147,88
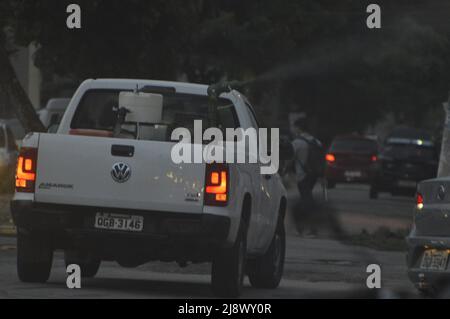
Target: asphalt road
x,y
318,265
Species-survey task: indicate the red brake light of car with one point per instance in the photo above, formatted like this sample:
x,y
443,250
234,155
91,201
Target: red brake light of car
x,y
26,170
330,158
419,201
216,184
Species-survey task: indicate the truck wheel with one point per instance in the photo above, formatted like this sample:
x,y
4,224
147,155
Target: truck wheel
x,y
266,271
89,266
228,267
34,258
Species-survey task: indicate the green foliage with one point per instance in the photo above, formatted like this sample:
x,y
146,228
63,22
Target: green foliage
x,y
5,15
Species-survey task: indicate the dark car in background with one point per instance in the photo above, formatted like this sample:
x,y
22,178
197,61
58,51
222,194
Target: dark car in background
x,y
408,157
351,159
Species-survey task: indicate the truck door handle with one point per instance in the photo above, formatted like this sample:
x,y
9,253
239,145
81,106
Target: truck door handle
x,y
122,150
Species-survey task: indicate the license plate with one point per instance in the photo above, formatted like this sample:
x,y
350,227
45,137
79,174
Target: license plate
x,y
409,184
352,174
434,259
131,223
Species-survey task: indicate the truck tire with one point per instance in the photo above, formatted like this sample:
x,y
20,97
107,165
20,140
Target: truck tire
x,y
266,271
228,267
89,266
34,258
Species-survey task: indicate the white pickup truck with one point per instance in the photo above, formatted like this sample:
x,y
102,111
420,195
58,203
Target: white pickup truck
x,y
100,193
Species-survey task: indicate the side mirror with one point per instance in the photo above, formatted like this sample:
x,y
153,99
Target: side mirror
x,y
286,150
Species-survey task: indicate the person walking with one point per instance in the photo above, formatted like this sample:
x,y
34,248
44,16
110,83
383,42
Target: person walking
x,y
309,161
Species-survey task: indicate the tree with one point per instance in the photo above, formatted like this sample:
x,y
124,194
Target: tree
x,y
296,55
11,92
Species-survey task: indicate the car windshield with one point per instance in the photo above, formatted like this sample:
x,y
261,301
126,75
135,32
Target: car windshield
x,y
98,111
353,145
409,151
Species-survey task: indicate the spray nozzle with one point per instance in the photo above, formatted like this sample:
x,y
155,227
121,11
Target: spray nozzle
x,y
214,90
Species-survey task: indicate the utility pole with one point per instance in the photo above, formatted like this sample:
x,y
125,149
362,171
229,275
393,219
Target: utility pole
x,y
444,160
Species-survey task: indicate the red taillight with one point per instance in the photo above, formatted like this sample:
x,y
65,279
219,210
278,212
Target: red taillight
x,y
330,158
26,170
374,158
419,201
216,184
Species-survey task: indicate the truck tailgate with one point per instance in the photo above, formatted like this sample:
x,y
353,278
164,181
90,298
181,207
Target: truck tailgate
x,y
77,170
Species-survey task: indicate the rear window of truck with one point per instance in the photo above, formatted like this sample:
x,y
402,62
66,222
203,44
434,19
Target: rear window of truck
x,y
98,111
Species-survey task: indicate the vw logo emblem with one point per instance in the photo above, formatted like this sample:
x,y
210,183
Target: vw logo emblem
x,y
120,172
441,192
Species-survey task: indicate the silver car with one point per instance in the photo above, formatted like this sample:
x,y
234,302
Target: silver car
x,y
429,240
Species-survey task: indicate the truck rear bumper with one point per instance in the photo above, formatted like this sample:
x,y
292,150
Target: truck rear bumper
x,y
165,235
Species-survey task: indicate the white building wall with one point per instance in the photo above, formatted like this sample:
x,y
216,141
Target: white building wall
x,y
29,76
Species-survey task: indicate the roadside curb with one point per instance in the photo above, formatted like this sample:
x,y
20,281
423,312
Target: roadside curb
x,y
8,231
